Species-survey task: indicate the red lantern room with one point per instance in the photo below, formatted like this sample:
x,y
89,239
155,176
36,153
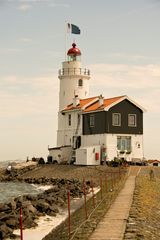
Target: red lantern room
x,y
73,53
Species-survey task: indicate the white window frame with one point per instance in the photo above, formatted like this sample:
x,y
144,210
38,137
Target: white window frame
x,y
92,120
131,122
124,143
69,119
114,121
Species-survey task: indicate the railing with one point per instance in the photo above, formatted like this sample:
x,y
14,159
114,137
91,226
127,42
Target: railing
x,y
98,193
74,71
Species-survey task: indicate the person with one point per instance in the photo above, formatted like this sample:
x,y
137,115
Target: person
x,y
104,154
151,173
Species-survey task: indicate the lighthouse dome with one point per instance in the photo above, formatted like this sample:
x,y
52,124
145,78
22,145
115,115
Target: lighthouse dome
x,y
74,51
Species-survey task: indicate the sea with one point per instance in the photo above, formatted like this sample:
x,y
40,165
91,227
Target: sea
x,y
4,164
10,190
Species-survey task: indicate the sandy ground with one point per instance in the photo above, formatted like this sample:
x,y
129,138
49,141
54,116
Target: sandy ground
x,y
69,171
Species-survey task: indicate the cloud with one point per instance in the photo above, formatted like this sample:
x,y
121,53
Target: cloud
x,y
142,82
139,82
9,50
25,40
24,7
128,57
28,96
64,5
22,96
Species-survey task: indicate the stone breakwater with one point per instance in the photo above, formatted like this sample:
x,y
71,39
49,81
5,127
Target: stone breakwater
x,y
144,217
33,206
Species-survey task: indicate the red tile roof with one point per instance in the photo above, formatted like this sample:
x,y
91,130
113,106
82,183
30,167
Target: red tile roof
x,y
92,104
106,102
83,102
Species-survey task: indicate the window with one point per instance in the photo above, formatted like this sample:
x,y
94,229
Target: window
x,y
69,119
80,82
78,119
91,121
124,143
132,121
116,119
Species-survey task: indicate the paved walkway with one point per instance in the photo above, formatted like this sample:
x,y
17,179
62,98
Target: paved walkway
x,y
112,226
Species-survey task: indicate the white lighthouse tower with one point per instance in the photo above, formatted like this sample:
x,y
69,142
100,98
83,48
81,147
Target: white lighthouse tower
x,y
73,79
74,85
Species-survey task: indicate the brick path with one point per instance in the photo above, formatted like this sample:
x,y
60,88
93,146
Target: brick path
x,y
112,226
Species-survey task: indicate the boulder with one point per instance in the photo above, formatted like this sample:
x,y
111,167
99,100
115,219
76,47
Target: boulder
x,y
31,209
4,207
12,205
59,201
51,199
25,204
51,213
54,208
5,230
28,222
11,223
41,206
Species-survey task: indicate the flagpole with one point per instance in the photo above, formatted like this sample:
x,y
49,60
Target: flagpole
x,y
65,44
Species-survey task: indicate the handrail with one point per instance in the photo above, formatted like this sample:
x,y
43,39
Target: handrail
x,y
74,71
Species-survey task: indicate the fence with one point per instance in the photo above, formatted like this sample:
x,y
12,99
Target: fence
x,y
98,194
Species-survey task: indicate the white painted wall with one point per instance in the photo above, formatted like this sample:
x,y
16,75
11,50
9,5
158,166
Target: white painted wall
x,y
135,153
69,76
87,155
60,155
69,83
110,142
65,132
94,139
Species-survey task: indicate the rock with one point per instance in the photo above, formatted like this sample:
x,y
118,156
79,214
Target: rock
x,y
11,223
12,205
28,222
42,206
25,204
60,201
4,207
31,197
31,208
50,213
54,208
51,200
6,231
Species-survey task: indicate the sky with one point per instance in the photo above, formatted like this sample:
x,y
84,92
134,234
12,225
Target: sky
x,y
119,42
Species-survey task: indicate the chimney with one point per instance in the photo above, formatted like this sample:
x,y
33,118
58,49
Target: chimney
x,y
76,101
101,100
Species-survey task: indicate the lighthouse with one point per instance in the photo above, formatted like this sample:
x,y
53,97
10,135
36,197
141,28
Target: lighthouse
x,y
94,130
74,80
74,85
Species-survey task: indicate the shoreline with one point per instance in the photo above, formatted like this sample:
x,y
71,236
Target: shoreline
x,y
52,198
47,223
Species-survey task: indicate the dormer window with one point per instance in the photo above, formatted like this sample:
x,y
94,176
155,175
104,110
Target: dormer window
x,y
80,82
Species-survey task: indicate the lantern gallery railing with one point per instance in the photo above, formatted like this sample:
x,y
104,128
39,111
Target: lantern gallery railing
x,y
74,71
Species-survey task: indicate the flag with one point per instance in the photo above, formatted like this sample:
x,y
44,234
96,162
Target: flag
x,y
73,29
